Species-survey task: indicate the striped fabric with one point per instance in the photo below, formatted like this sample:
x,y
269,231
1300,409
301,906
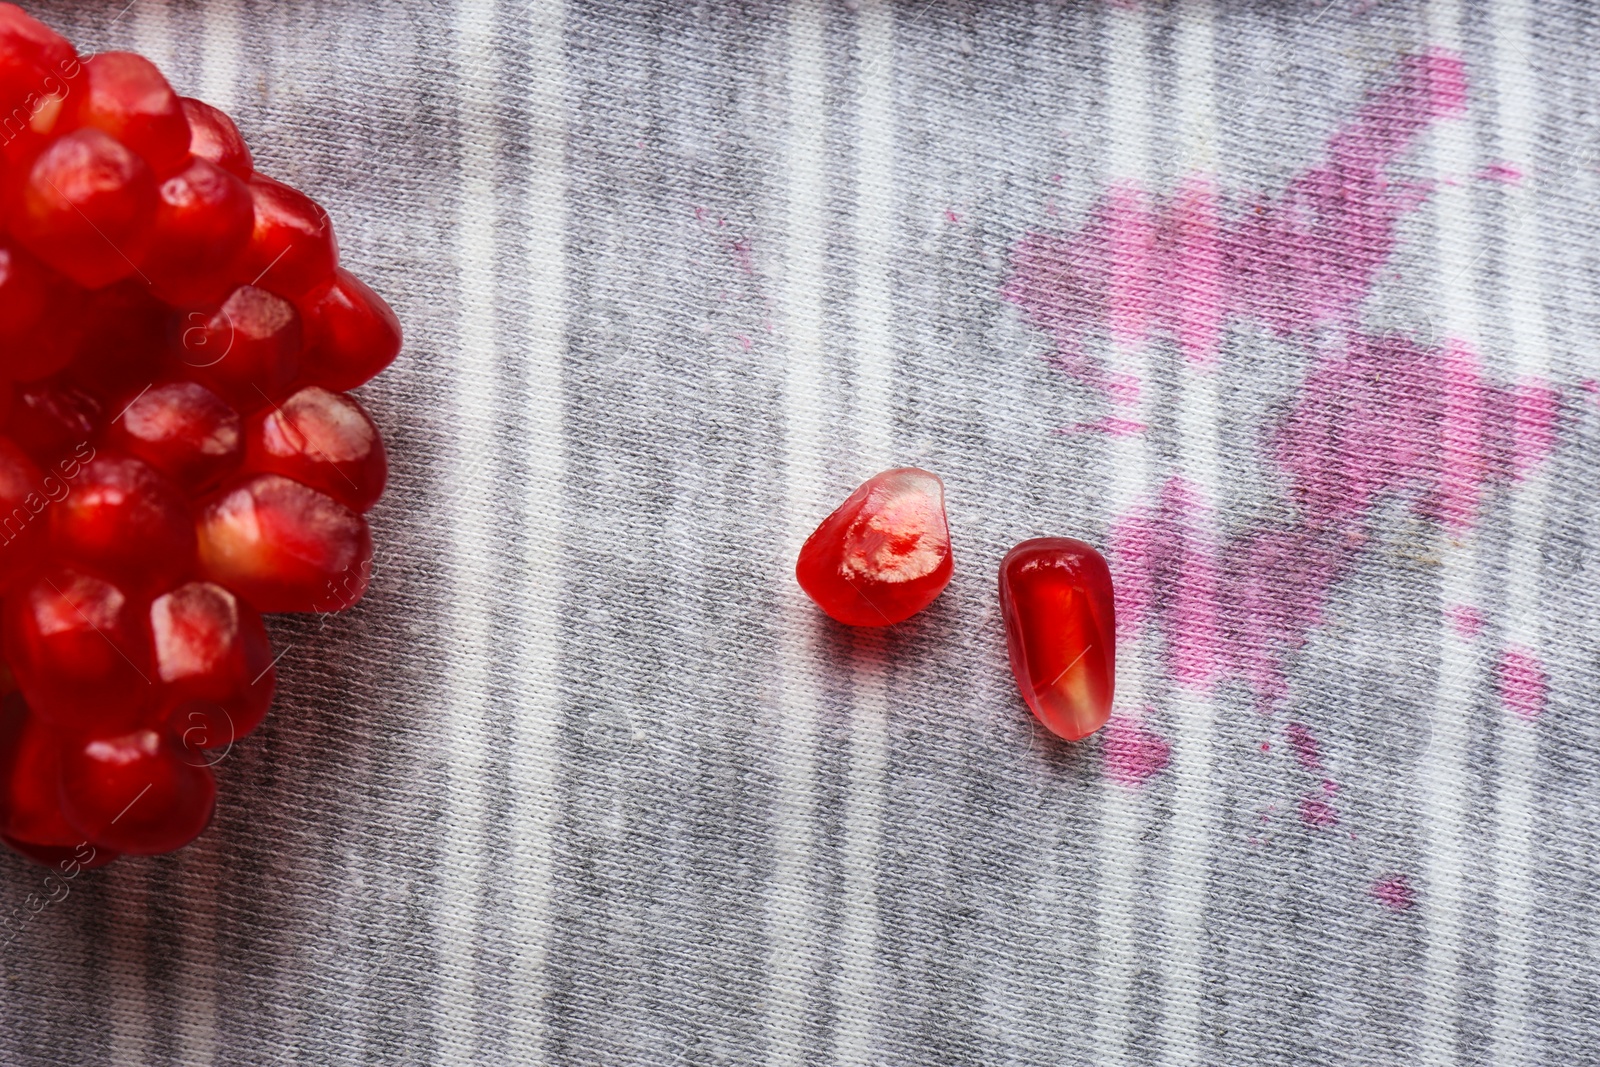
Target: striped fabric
x,y
1290,306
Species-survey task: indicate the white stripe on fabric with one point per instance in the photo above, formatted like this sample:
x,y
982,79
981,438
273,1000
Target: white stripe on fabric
x,y
791,904
1124,814
1444,770
1517,120
130,1022
463,841
219,73
873,231
536,713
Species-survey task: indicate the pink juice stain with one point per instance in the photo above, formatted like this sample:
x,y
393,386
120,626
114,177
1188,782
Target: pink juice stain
x,y
1522,683
1133,752
1394,892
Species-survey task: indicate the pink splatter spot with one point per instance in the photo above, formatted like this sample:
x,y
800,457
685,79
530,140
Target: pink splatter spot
x,y
1501,171
1265,747
1134,752
1394,892
951,217
1465,620
1318,814
1329,786
1304,745
1523,684
744,342
1536,409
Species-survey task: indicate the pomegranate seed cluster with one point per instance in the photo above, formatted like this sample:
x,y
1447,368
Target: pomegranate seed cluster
x,y
178,451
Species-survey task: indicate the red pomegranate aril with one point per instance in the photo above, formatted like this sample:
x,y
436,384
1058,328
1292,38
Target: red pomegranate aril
x,y
125,519
38,70
124,95
285,547
214,138
203,218
884,554
24,495
183,430
215,664
84,207
123,338
247,351
135,793
78,647
52,419
292,249
30,779
1061,632
24,297
323,440
351,334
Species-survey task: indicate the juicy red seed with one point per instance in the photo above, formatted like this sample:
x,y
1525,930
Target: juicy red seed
x,y
183,430
203,218
54,421
77,645
351,334
136,793
323,440
38,332
247,351
125,519
215,664
24,495
124,95
292,250
123,331
884,554
30,779
284,547
213,137
38,70
84,207
1061,631
24,295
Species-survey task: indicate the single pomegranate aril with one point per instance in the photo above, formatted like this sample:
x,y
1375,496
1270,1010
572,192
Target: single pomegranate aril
x,y
246,351
24,296
84,207
214,138
203,218
24,495
292,250
124,95
38,70
183,430
125,519
52,419
351,334
135,793
884,554
215,664
284,547
78,647
323,440
30,779
1061,631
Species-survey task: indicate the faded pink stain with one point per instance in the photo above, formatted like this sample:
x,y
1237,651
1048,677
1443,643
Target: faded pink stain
x,y
1394,892
1318,814
1501,171
1133,752
1522,682
1110,425
1465,620
1304,744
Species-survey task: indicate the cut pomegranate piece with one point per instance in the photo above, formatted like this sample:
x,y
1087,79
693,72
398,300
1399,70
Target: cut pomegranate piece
x,y
214,138
285,547
215,664
124,95
1061,632
884,554
203,218
246,351
351,334
292,250
183,430
30,779
323,440
125,519
85,207
78,647
135,793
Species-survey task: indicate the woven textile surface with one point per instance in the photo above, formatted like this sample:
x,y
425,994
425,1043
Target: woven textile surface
x,y
1290,307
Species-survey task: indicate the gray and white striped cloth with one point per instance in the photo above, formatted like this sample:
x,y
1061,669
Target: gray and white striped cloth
x,y
1290,306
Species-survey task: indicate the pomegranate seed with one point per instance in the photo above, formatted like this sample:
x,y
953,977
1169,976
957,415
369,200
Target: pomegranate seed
x,y
84,207
24,494
203,218
77,646
215,663
292,250
214,138
135,793
123,331
1060,618
246,351
884,554
183,430
30,779
24,297
323,440
127,520
351,334
124,95
38,69
285,547
52,419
